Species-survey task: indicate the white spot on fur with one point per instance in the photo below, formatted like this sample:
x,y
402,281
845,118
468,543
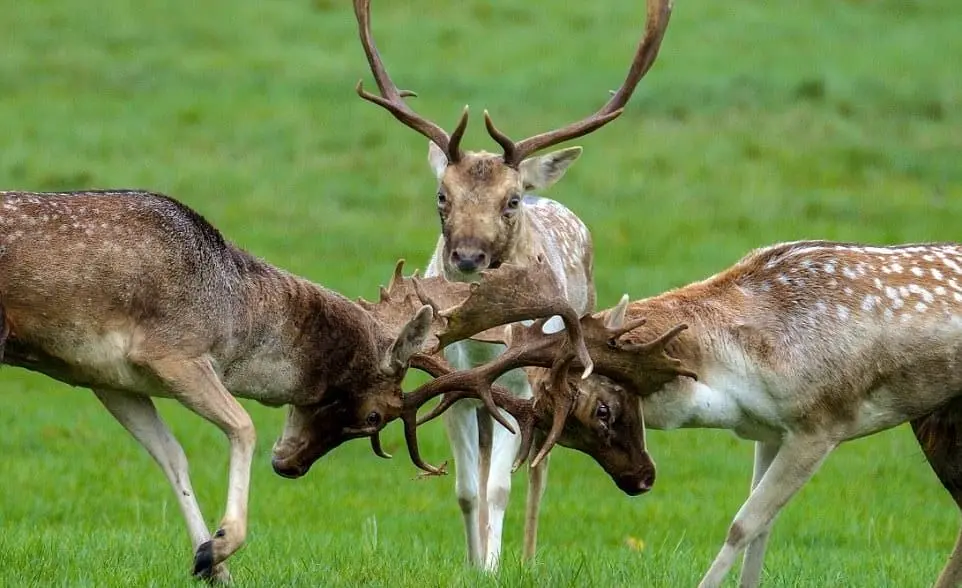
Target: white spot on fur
x,y
920,307
917,271
868,303
842,312
829,268
898,303
889,315
849,273
936,274
939,291
891,292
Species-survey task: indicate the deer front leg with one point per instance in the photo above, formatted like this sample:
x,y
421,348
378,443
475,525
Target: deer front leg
x,y
139,416
194,384
504,450
794,464
755,553
537,480
461,423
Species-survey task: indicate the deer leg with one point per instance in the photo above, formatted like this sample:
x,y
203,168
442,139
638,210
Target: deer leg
x,y
504,450
940,435
139,416
461,423
537,479
195,385
755,553
485,440
795,463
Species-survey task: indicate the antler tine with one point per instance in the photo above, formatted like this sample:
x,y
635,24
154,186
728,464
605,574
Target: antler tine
x,y
397,277
392,99
563,403
376,446
658,14
660,343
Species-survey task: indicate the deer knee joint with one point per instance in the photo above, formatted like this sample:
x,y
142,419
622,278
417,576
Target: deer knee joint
x,y
736,534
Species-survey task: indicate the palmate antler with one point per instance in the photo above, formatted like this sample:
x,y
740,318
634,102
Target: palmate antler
x,y
478,310
639,367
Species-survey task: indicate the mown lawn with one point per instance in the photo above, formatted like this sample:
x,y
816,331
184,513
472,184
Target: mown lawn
x,y
761,122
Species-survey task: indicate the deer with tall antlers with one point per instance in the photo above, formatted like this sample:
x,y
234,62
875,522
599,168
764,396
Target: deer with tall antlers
x,y
798,347
488,218
134,295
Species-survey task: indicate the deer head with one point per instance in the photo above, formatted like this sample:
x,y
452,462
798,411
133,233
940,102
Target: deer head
x,y
344,413
480,194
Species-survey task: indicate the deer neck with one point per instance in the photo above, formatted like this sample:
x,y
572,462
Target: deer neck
x,y
296,333
727,352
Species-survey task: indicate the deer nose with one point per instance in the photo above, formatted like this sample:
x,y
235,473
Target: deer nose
x,y
469,260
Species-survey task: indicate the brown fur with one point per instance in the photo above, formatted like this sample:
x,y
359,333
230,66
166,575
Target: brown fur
x,y
134,295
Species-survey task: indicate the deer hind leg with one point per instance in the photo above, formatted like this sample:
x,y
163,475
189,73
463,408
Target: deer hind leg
x,y
795,463
461,424
139,416
940,435
755,553
194,384
537,480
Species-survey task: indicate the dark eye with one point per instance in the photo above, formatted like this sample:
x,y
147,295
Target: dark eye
x,y
374,419
602,412
514,202
442,199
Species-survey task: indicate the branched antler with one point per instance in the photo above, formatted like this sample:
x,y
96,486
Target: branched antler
x,y
392,99
482,311
659,12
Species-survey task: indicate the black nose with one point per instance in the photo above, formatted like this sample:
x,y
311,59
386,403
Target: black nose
x,y
637,483
468,260
287,470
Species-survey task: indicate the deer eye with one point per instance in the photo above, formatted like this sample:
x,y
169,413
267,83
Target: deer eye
x,y
514,202
442,198
602,413
374,419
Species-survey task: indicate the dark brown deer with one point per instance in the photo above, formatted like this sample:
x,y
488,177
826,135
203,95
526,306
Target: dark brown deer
x,y
488,218
134,295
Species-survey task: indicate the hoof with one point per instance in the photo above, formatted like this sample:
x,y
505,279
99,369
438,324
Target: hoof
x,y
204,562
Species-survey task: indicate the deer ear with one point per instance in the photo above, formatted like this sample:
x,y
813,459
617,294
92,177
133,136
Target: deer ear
x,y
437,159
616,316
412,337
544,170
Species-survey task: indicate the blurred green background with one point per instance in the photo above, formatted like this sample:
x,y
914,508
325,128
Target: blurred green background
x,y
760,122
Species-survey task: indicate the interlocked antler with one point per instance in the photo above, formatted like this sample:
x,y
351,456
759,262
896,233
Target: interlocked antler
x,y
479,310
392,99
640,367
659,11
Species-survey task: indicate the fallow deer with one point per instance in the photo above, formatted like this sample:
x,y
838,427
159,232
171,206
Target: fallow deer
x,y
488,218
134,296
798,347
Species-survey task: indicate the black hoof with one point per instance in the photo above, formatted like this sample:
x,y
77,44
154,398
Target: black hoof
x,y
204,561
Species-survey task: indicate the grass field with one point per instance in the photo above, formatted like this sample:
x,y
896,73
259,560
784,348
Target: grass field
x,y
761,122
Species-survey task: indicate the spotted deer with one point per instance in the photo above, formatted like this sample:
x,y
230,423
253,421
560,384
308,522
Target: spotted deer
x,y
800,347
134,296
488,217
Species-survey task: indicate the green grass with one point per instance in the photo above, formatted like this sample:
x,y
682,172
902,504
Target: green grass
x,y
761,122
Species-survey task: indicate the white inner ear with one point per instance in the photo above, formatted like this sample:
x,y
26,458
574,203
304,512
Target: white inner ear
x,y
437,159
411,339
616,318
544,170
